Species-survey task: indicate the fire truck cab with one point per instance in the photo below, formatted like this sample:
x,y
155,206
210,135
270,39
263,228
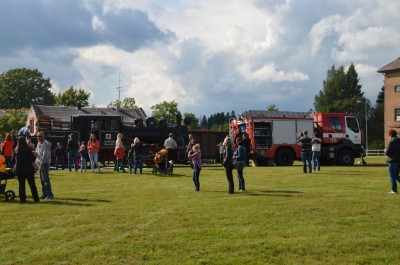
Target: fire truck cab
x,y
274,136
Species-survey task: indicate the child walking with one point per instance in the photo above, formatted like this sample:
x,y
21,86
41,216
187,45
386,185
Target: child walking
x,y
83,153
195,156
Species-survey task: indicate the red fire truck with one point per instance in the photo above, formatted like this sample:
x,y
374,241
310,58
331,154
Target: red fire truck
x,y
274,136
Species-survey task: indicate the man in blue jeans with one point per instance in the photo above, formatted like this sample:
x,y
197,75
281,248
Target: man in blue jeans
x,y
393,153
43,159
305,151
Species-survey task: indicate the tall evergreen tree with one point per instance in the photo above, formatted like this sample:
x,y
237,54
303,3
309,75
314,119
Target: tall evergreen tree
x,y
376,138
341,91
203,123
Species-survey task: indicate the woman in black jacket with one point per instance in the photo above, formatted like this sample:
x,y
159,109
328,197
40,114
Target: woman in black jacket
x,y
228,164
24,169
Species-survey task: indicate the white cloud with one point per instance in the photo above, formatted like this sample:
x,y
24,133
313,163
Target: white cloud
x,y
269,72
204,54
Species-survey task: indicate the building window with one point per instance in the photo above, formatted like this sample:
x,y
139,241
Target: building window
x,y
397,88
397,114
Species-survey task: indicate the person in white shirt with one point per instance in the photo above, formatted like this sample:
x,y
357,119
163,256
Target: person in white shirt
x,y
171,145
43,159
316,151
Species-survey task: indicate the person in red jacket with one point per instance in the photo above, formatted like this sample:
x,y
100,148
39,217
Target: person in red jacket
x,y
120,156
93,147
7,149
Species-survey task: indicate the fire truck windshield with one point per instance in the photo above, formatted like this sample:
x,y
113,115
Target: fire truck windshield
x,y
352,124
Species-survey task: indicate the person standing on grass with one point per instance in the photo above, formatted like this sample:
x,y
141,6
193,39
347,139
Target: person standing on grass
x,y
24,169
59,153
72,149
93,149
120,157
117,142
135,156
392,150
83,154
195,156
228,164
316,151
305,151
247,145
171,145
43,159
240,158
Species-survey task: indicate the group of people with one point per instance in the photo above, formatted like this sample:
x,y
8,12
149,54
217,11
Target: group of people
x,y
135,155
78,153
27,161
230,159
310,151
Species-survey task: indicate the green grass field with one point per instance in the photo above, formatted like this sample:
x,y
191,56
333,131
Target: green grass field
x,y
340,215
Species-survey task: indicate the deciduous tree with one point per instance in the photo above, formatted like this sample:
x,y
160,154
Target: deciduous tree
x,y
194,122
71,97
13,119
21,87
128,103
165,110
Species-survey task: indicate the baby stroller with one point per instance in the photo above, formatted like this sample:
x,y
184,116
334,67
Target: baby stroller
x,y
162,165
5,174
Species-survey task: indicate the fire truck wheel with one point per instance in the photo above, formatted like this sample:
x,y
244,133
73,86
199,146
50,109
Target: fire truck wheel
x,y
345,158
284,157
10,195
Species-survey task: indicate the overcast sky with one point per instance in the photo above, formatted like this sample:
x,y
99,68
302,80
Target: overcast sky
x,y
208,55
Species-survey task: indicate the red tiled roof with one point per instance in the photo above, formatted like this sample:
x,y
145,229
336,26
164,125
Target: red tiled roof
x,y
393,66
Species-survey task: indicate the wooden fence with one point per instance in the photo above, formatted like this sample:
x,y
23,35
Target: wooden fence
x,y
379,152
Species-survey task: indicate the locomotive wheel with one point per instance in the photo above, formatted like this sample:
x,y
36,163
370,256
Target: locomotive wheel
x,y
10,195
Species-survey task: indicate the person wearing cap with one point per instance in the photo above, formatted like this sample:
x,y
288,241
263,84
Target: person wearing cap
x,y
305,151
392,150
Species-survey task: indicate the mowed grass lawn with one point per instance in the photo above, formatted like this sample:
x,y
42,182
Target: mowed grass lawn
x,y
340,215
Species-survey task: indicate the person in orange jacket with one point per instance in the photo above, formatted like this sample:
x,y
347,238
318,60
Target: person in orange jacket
x,y
93,147
120,156
7,149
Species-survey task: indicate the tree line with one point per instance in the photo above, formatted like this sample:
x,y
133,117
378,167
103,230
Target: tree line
x,y
341,92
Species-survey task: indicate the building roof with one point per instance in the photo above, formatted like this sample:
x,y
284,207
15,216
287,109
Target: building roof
x,y
64,113
390,67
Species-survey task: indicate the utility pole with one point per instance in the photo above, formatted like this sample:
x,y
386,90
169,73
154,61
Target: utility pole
x,y
119,88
